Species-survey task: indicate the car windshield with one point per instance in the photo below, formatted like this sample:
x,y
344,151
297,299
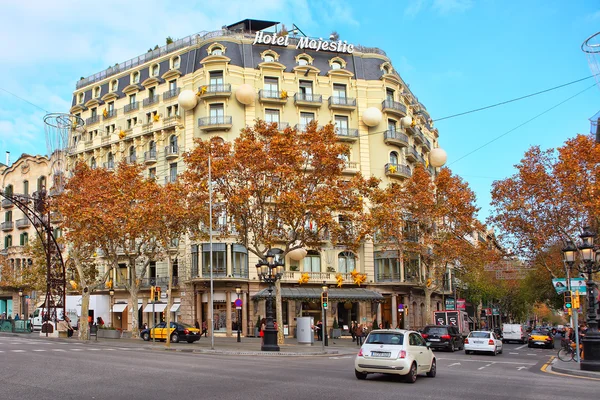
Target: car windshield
x,y
479,335
539,332
385,338
186,326
436,331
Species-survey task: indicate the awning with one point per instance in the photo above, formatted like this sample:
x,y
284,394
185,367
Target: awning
x,y
175,307
119,307
158,307
314,294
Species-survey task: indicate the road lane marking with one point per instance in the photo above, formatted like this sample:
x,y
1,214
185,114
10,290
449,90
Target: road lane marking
x,y
39,350
76,349
514,353
486,361
453,364
520,347
18,351
489,365
529,354
58,350
520,368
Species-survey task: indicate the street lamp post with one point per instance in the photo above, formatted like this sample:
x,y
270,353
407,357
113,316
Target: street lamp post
x,y
324,333
21,303
111,293
591,264
238,291
269,271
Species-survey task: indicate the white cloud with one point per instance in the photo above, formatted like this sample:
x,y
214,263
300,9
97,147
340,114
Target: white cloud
x,y
451,6
414,7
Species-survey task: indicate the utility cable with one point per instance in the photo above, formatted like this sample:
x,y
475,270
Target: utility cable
x,y
27,101
513,100
522,124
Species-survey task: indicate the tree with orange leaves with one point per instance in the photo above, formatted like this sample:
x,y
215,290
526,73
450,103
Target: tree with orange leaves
x,y
430,220
280,188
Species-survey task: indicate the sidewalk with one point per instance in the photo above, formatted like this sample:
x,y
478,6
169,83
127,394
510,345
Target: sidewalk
x,y
222,345
571,368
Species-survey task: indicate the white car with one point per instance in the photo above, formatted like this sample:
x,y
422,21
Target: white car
x,y
396,352
484,341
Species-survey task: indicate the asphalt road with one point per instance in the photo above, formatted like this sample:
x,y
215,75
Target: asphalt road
x,y
46,369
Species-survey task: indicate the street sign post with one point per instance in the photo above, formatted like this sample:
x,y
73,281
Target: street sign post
x,y
238,304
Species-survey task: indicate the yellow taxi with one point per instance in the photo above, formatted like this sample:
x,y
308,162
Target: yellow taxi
x,y
178,332
540,338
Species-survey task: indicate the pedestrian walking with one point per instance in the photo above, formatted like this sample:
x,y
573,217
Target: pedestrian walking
x,y
204,329
319,331
358,331
352,329
263,325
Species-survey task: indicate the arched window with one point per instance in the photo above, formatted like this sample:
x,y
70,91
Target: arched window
x,y
132,156
97,91
81,97
312,261
24,240
93,163
394,158
176,62
302,61
346,262
336,65
7,241
41,183
152,146
114,85
217,51
110,161
154,70
135,77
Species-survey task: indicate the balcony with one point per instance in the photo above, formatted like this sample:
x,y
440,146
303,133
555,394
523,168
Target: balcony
x,y
7,203
351,167
308,100
342,103
150,157
94,119
281,126
150,100
393,107
131,107
7,226
171,152
23,223
347,135
214,91
223,122
412,155
426,144
109,114
392,136
316,277
171,93
398,171
419,138
302,127
131,159
171,121
170,179
162,282
273,96
387,276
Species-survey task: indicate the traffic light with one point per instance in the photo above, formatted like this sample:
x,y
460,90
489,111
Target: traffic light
x,y
157,293
576,300
324,300
152,293
568,300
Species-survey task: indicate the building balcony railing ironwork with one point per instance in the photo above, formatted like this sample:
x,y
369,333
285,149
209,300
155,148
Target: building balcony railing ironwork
x,y
426,144
7,203
351,167
171,152
346,134
7,225
412,155
392,136
150,100
158,281
398,170
169,94
302,127
170,179
150,157
388,276
328,277
109,114
131,107
280,125
171,121
109,165
131,159
216,90
342,103
393,107
23,223
94,119
418,137
273,96
222,122
308,99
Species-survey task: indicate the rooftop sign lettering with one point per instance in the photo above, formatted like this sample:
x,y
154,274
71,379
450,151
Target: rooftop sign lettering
x,y
304,43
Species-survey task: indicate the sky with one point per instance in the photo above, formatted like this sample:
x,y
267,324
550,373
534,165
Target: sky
x,y
456,55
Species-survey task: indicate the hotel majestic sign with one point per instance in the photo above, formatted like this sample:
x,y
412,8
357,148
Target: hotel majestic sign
x,y
304,43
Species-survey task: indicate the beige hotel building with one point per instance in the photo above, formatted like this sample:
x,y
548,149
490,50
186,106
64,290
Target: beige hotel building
x,y
242,72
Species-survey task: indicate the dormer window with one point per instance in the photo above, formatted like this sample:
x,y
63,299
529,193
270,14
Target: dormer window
x,y
269,58
154,70
217,51
114,85
135,77
302,61
97,92
176,62
80,98
336,65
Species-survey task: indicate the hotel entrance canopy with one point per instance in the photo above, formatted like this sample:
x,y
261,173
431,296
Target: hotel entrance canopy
x,y
314,294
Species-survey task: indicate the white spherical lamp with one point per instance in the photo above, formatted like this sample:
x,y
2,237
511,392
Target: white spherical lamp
x,y
245,94
187,99
371,116
297,254
437,157
406,121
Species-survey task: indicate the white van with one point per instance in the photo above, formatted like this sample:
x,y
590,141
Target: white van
x,y
513,333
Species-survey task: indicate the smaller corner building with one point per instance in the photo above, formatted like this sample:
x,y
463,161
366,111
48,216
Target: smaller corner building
x,y
242,72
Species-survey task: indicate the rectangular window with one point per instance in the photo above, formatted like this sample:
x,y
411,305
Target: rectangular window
x,y
8,216
339,91
387,266
195,260
341,124
148,117
173,85
111,107
94,112
152,173
306,118
239,258
219,260
132,99
151,92
152,270
411,267
312,263
271,115
26,188
306,90
389,94
391,125
172,172
216,79
217,114
271,87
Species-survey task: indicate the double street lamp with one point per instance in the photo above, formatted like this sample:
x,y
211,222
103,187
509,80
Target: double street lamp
x,y
238,291
111,293
590,256
269,271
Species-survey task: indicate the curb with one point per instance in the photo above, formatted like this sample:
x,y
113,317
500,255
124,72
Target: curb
x,y
245,353
574,372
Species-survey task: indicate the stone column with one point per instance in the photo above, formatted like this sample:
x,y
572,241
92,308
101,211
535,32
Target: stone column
x,y
199,309
378,316
244,314
394,311
209,321
228,311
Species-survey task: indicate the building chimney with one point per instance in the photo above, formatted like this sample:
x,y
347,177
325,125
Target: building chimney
x,y
8,158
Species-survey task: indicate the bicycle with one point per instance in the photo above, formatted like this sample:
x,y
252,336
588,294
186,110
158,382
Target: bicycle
x,y
567,351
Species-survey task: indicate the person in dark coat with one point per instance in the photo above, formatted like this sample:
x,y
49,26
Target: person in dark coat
x,y
319,331
352,329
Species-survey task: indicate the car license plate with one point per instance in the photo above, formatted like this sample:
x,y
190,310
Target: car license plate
x,y
478,341
380,354
434,340
540,342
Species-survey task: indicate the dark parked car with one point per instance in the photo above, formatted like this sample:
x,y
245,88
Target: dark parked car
x,y
445,337
179,332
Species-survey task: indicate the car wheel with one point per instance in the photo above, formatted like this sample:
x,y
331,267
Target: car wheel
x,y
174,338
467,352
433,370
360,375
529,345
500,352
494,352
190,341
146,336
411,377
